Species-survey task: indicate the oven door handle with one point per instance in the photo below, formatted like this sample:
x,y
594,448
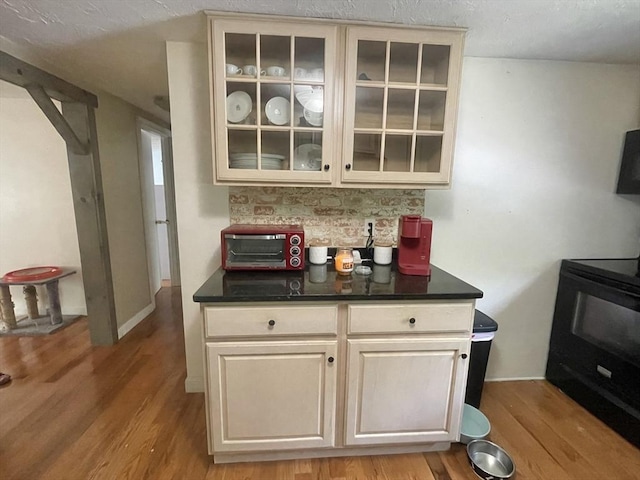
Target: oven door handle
x,y
232,236
609,284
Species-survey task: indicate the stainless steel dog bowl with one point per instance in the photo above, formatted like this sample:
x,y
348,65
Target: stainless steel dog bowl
x,y
489,461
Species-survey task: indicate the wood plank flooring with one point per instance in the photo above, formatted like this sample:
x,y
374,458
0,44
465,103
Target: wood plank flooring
x,y
74,411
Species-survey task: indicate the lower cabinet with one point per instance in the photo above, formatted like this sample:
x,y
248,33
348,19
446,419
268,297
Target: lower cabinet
x,y
271,395
295,381
404,390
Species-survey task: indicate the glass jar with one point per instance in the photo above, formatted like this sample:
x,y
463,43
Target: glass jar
x,y
344,261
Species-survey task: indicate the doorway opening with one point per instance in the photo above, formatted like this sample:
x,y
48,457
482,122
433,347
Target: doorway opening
x,y
156,165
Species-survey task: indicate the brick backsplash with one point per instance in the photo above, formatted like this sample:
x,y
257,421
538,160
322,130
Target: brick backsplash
x,y
329,213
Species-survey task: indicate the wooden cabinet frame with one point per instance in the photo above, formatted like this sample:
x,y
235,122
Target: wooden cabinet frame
x,y
339,90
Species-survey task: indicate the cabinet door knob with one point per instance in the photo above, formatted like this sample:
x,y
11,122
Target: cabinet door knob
x,y
348,166
272,323
464,355
412,320
330,359
326,167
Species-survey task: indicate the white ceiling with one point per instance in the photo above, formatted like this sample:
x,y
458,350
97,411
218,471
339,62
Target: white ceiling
x,y
118,45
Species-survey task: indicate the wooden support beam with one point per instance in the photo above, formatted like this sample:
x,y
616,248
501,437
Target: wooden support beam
x,y
57,120
18,72
91,224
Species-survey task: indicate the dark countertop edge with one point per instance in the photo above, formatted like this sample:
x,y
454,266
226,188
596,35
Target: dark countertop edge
x,y
338,297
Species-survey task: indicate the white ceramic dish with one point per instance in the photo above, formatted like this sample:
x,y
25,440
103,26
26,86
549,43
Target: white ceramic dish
x,y
308,157
311,98
278,110
270,161
313,118
239,106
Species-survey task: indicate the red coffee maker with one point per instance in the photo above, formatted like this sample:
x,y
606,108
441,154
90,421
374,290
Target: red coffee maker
x,y
414,245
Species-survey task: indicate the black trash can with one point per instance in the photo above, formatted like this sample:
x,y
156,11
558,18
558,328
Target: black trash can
x,y
484,328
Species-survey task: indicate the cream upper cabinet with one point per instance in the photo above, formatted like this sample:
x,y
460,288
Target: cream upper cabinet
x,y
401,95
273,101
304,102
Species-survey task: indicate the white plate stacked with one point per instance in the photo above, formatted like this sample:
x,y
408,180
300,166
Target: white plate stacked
x,y
270,161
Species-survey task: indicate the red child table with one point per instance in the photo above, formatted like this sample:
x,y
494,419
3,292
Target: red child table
x,y
29,278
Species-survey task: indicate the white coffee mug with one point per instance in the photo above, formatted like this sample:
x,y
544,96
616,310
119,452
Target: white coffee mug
x,y
251,70
275,71
233,69
382,253
300,72
317,74
318,254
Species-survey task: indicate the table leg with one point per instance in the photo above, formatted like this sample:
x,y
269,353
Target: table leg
x,y
31,298
54,303
6,306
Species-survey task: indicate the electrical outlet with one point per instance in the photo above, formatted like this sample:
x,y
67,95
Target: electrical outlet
x,y
369,223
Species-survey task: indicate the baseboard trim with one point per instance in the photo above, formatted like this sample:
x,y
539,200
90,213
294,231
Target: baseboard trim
x,y
135,320
512,379
194,385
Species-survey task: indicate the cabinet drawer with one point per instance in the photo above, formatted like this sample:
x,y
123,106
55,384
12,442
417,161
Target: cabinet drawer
x,y
270,321
407,318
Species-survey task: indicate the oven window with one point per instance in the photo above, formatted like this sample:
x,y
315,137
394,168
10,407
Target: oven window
x,y
256,252
609,326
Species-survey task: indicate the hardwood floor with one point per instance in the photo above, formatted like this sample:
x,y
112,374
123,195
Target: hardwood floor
x,y
74,411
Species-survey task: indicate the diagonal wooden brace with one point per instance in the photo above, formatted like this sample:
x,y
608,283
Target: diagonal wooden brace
x,y
57,119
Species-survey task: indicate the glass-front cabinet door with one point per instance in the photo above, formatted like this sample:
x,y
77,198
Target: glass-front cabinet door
x,y
401,93
273,101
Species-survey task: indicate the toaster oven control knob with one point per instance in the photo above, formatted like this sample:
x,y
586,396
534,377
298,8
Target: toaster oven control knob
x,y
295,261
295,240
295,251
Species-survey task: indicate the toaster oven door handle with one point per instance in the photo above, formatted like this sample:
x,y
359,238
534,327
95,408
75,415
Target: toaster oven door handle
x,y
279,236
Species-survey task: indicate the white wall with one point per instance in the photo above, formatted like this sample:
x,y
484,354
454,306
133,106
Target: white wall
x,y
537,156
37,221
202,209
118,144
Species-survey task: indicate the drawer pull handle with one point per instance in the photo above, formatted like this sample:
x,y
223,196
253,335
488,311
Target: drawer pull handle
x,y
272,323
330,359
412,320
464,355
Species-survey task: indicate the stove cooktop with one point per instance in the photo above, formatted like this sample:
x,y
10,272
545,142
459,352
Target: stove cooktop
x,y
621,269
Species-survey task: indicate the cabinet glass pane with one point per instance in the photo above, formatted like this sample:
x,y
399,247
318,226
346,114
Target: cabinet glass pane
x,y
403,62
308,106
435,64
275,150
242,149
307,154
241,103
431,110
369,106
275,55
371,60
240,51
428,154
400,108
397,153
366,152
309,59
275,100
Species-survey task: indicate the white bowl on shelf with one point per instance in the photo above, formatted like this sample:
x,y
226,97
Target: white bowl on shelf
x,y
278,111
313,118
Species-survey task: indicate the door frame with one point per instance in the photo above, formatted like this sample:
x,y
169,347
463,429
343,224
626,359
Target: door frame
x,y
169,193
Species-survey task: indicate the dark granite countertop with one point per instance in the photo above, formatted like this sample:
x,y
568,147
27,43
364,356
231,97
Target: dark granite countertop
x,y
322,283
